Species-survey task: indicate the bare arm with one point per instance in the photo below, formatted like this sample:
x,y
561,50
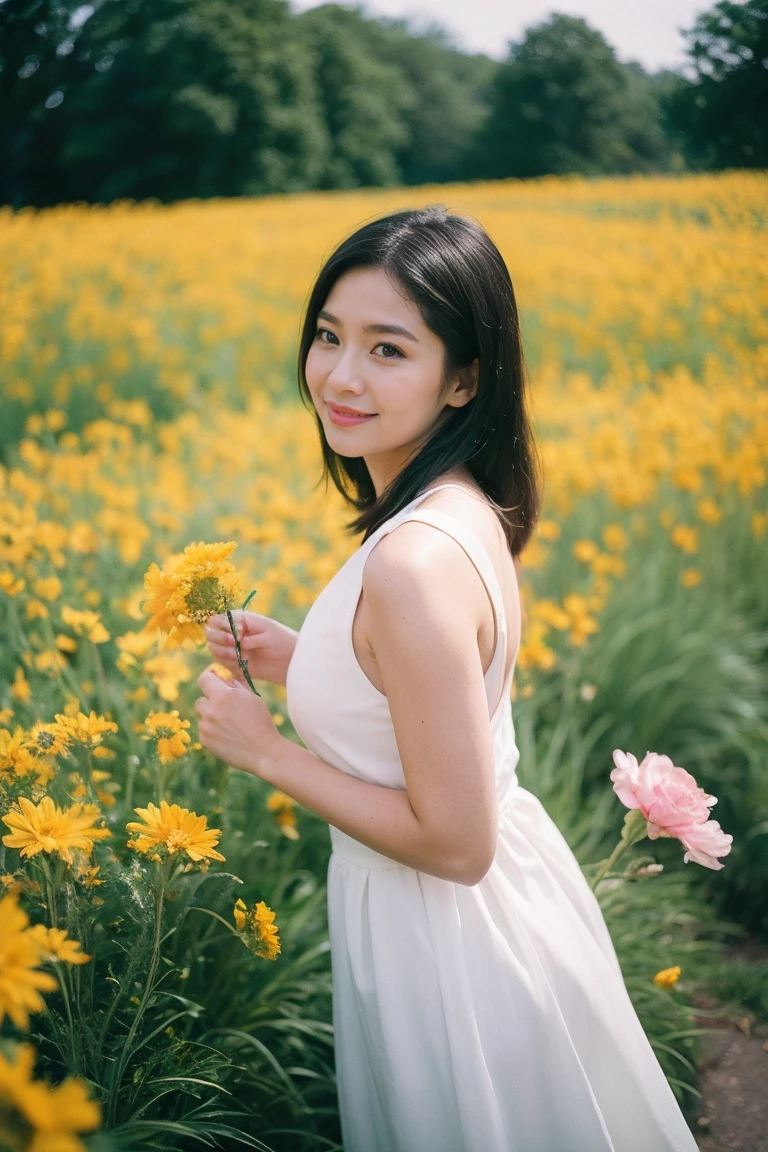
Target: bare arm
x,y
445,821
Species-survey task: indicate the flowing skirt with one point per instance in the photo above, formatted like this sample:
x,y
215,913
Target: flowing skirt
x,y
488,1018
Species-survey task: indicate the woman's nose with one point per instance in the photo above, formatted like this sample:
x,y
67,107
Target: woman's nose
x,y
347,371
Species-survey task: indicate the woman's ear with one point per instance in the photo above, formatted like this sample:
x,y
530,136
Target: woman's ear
x,y
466,384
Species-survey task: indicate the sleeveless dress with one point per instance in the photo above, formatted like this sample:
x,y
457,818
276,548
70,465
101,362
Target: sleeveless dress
x,y
484,1018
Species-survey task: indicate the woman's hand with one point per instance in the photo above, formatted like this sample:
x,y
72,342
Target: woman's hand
x,y
265,644
235,724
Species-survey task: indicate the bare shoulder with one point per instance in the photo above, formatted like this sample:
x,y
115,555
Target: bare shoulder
x,y
416,565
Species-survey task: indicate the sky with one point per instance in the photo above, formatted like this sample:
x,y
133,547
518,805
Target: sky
x,y
648,30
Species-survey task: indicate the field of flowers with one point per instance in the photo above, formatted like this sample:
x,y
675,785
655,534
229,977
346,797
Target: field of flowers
x,y
164,974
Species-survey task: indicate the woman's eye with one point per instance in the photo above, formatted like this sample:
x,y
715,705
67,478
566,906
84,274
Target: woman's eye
x,y
319,330
394,348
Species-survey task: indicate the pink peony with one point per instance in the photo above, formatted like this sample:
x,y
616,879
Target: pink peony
x,y
672,803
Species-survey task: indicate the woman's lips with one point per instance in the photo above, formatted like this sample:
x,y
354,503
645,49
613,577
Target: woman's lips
x,y
345,419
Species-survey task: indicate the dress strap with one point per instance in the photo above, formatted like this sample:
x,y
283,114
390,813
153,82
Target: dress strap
x,y
468,539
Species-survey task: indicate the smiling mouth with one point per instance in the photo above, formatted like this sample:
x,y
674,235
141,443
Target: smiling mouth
x,y
348,411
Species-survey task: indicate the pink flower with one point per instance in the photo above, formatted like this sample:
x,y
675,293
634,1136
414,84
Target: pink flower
x,y
672,803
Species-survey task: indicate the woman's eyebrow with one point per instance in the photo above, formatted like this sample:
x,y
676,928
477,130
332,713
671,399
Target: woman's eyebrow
x,y
382,329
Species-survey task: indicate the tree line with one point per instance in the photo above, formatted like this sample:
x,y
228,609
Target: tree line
x,y
174,99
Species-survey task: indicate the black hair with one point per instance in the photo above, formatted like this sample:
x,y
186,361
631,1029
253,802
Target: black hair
x,y
449,266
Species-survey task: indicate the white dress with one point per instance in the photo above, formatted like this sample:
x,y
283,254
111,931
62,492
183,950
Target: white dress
x,y
484,1018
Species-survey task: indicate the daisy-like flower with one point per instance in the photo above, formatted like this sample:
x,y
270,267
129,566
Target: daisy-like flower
x,y
84,623
20,953
48,739
47,828
284,809
54,1114
16,757
168,731
194,585
258,929
174,829
86,730
56,946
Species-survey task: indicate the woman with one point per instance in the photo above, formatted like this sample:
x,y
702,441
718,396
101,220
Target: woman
x,y
478,1002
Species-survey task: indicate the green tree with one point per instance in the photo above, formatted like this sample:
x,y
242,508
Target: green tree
x,y
562,103
362,99
163,98
721,115
449,88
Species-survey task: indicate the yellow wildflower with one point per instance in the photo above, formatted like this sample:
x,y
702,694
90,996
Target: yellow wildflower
x,y
48,587
175,829
86,730
11,584
168,731
20,689
194,585
258,929
283,807
55,1114
16,757
85,623
47,828
667,977
56,946
47,739
20,953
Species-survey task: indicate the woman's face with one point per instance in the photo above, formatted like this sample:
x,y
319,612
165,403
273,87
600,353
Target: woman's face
x,y
373,353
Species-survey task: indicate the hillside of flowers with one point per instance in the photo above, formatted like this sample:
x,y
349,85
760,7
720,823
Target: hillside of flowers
x,y
164,975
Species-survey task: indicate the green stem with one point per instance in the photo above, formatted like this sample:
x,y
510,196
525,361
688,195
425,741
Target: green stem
x,y
50,893
243,665
607,863
635,828
125,1053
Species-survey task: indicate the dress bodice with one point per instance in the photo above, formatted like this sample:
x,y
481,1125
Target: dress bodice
x,y
338,713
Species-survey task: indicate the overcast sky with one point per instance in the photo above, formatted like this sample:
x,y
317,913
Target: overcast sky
x,y
647,31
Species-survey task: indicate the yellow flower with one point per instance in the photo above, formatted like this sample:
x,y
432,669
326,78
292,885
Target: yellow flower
x,y
667,977
11,584
49,587
20,690
194,585
685,537
48,828
168,670
16,757
87,730
85,624
55,1114
47,739
283,807
20,982
240,914
168,730
55,945
266,929
175,829
258,929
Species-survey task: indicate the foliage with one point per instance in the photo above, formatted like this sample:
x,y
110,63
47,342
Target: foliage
x,y
719,115
168,100
562,103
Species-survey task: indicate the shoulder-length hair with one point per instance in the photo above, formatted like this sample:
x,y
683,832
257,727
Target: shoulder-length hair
x,y
453,271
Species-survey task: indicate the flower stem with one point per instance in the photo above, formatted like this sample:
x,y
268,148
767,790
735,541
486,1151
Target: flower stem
x,y
243,665
125,1052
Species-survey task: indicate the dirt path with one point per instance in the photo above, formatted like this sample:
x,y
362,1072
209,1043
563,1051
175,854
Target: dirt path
x,y
733,1073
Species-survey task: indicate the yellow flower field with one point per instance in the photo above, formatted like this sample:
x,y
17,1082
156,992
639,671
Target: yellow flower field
x,y
147,370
